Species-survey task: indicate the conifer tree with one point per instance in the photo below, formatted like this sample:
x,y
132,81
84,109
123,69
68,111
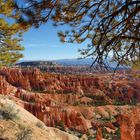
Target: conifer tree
x,y
9,34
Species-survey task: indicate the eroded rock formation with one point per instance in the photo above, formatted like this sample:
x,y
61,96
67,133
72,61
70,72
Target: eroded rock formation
x,y
81,103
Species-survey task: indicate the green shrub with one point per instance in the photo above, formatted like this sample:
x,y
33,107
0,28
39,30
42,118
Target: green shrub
x,y
25,134
104,132
60,125
118,133
40,125
133,101
8,112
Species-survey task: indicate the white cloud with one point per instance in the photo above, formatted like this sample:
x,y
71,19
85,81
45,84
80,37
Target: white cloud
x,y
35,45
39,45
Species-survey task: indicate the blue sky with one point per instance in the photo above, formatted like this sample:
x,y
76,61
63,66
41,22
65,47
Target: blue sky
x,y
43,44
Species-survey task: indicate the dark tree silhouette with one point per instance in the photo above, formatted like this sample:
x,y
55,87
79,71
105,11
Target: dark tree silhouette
x,y
111,27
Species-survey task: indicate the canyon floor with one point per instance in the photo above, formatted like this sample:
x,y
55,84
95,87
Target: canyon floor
x,y
103,106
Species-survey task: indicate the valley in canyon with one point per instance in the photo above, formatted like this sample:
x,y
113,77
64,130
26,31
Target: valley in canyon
x,y
93,106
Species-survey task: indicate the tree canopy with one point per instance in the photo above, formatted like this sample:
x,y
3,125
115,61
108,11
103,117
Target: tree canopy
x,y
9,35
111,27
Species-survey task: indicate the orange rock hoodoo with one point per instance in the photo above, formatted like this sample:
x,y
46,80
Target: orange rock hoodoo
x,y
74,99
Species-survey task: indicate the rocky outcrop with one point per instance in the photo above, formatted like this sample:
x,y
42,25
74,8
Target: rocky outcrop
x,y
5,87
130,124
51,112
119,90
75,102
26,79
24,125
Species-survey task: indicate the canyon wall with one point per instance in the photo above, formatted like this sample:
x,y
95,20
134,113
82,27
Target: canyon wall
x,y
96,104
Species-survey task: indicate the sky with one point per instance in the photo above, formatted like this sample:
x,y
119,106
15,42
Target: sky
x,y
44,44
